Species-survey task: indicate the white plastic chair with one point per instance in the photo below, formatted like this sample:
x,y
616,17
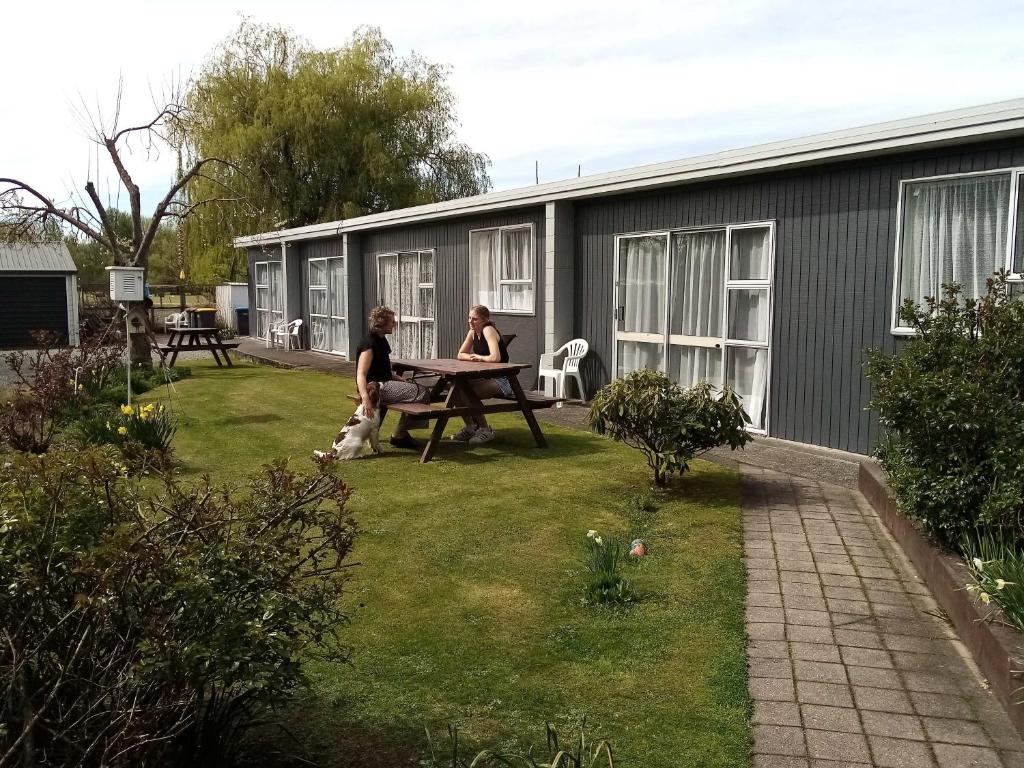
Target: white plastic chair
x,y
177,320
281,332
575,351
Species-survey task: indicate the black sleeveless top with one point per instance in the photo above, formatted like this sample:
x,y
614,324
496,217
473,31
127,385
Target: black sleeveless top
x,y
480,345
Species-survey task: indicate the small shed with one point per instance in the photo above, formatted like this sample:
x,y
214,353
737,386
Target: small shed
x,y
38,292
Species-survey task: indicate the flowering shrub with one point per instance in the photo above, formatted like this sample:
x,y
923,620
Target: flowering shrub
x,y
142,433
605,585
996,568
50,385
668,424
154,630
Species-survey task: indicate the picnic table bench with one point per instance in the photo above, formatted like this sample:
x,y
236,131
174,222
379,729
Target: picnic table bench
x,y
199,340
461,400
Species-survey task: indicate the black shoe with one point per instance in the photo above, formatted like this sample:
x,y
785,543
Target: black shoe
x,y
405,441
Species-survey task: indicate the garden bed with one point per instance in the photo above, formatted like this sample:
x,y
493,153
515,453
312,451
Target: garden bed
x,y
996,648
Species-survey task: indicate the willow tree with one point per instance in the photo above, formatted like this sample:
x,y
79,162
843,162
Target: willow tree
x,y
315,135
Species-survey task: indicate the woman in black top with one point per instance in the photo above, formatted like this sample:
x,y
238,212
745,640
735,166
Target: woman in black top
x,y
373,355
482,344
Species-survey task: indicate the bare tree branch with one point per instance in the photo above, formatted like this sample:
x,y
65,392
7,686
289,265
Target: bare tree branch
x,y
9,200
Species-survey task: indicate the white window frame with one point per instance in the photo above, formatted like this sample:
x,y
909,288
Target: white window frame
x,y
1016,175
532,282
397,310
271,312
726,343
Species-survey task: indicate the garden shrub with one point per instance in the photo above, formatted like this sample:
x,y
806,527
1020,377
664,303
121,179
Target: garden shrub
x,y
50,384
952,405
142,433
141,630
668,424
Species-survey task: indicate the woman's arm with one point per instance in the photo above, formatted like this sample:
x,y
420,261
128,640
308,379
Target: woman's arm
x,y
465,351
363,368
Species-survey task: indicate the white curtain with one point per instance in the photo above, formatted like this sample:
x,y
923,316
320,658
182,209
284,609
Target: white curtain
x,y
750,252
485,252
515,257
954,230
642,293
748,376
697,291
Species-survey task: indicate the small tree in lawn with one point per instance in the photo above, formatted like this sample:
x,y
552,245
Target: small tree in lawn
x,y
668,424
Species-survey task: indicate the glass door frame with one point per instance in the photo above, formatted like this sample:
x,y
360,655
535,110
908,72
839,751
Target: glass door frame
x,y
331,347
725,343
414,320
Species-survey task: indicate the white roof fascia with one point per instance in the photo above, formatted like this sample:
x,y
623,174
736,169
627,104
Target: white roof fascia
x,y
989,121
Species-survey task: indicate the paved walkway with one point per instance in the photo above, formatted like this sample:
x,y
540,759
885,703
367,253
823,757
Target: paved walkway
x,y
850,664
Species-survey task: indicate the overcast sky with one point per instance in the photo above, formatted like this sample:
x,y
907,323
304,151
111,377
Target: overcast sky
x,y
604,85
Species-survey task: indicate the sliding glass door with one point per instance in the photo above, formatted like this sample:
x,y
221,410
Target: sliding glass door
x,y
269,295
328,318
696,304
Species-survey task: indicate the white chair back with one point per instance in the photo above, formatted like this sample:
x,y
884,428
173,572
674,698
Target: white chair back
x,y
575,351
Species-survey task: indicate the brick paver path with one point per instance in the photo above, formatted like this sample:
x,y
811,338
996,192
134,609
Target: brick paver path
x,y
850,663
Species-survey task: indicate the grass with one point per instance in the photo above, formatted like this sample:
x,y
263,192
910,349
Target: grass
x,y
466,604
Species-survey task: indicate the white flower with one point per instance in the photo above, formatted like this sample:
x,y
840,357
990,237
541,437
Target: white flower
x,y
598,541
1000,584
979,564
984,597
591,534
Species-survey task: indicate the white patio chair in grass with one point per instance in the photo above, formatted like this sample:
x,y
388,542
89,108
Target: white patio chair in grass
x,y
177,320
575,351
283,333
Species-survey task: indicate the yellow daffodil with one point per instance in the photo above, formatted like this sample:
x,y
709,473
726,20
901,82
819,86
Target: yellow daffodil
x,y
1000,584
143,415
985,597
979,563
122,430
127,410
591,533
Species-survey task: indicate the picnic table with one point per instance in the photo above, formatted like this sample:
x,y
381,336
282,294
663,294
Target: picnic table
x,y
196,339
463,401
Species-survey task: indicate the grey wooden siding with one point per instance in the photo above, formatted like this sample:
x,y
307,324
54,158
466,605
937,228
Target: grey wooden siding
x,y
833,282
452,291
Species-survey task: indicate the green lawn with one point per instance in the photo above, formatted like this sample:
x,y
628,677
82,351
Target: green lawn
x,y
465,605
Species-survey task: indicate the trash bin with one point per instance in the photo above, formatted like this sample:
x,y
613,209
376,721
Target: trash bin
x,y
242,320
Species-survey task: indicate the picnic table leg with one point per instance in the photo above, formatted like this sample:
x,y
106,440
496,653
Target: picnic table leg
x,y
210,346
435,437
527,411
174,354
223,349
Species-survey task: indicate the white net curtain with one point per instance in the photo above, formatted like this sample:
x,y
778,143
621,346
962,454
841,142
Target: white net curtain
x,y
502,266
406,282
696,304
953,230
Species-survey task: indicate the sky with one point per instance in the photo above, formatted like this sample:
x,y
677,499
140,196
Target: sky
x,y
567,84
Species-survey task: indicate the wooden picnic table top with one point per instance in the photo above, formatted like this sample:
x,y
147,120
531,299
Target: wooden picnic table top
x,y
450,367
193,329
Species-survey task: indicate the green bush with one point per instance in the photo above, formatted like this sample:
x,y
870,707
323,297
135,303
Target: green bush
x,y
952,405
668,424
154,630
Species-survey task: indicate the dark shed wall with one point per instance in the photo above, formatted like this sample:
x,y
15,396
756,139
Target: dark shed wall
x,y
32,303
452,291
833,282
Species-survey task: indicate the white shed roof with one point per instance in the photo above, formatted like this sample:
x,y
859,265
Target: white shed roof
x,y
36,257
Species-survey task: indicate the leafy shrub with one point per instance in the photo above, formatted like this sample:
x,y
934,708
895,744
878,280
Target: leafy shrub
x,y
605,585
996,567
952,405
668,424
582,754
50,384
152,631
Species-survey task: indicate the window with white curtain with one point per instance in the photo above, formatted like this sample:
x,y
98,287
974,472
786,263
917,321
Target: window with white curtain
x,y
405,283
954,229
696,304
502,266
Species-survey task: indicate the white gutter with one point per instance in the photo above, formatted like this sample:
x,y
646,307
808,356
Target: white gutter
x,y
990,121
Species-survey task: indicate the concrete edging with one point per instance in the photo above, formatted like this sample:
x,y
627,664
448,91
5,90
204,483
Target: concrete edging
x,y
993,646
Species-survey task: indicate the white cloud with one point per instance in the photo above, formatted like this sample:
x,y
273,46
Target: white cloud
x,y
599,83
